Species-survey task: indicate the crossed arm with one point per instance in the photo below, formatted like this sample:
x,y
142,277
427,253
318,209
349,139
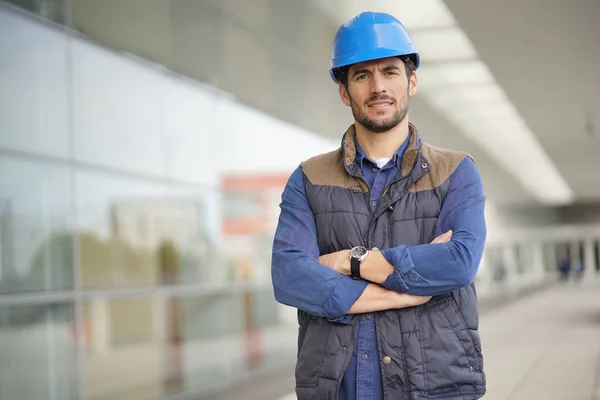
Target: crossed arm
x,y
376,269
398,277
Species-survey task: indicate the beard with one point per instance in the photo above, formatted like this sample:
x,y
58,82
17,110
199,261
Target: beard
x,y
379,125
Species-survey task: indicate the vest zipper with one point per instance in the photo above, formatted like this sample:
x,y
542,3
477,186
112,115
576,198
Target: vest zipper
x,y
367,237
341,377
390,239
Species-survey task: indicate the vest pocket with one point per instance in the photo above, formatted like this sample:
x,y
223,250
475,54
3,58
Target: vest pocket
x,y
311,353
449,355
469,337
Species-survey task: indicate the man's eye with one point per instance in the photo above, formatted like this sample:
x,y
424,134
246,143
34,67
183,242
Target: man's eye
x,y
361,77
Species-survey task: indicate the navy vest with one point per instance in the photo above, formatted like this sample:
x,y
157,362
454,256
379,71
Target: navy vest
x,y
435,348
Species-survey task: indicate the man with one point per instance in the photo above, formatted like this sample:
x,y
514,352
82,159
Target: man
x,y
379,241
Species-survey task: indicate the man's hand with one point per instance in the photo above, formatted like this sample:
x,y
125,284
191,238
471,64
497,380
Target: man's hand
x,y
338,261
443,238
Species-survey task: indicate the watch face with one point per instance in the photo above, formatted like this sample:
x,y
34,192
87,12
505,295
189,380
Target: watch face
x,y
358,252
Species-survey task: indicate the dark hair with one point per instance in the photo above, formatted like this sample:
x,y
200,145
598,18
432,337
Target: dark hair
x,y
409,60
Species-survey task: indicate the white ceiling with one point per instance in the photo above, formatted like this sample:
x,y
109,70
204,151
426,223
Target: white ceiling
x,y
546,56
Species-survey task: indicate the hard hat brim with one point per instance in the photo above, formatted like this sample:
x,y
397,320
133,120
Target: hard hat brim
x,y
374,54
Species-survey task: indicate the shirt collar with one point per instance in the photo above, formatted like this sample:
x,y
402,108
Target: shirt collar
x,y
361,156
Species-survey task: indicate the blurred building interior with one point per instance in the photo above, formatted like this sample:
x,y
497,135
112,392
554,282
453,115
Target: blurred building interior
x,y
144,146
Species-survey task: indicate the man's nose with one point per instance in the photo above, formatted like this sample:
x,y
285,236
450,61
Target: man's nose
x,y
377,84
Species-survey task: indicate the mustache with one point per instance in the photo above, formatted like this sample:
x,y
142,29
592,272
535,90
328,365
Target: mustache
x,y
380,98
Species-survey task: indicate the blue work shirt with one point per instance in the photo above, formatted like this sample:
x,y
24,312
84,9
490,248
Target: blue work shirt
x,y
363,376
299,280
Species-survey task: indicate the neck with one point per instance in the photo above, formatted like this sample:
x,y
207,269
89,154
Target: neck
x,y
384,144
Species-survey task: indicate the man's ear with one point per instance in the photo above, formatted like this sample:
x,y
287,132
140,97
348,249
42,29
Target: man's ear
x,y
413,84
344,94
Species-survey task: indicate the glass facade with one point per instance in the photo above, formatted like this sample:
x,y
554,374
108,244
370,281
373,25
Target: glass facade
x,y
139,190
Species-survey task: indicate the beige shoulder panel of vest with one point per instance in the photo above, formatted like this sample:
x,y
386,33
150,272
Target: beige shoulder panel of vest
x,y
442,162
328,170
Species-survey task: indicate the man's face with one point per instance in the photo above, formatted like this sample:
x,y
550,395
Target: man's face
x,y
378,92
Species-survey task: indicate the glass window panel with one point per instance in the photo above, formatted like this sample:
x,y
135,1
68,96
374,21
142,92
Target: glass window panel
x,y
216,343
125,349
119,235
269,328
132,116
119,118
36,245
34,112
191,128
37,348
149,348
135,232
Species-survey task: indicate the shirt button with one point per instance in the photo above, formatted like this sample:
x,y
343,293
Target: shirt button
x,y
374,169
373,203
387,360
368,316
364,356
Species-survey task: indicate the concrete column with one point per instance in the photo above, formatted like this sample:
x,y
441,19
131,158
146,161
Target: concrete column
x,y
550,261
590,259
537,264
575,260
514,280
483,280
98,325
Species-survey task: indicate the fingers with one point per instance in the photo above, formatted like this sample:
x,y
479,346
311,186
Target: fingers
x,y
326,260
443,238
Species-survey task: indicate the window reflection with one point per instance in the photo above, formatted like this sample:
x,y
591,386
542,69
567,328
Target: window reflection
x,y
133,232
36,247
166,136
37,348
250,213
34,112
152,347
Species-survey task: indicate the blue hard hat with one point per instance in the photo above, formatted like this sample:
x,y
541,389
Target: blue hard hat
x,y
370,36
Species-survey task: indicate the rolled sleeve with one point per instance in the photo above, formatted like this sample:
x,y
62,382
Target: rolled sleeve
x,y
299,280
400,259
344,295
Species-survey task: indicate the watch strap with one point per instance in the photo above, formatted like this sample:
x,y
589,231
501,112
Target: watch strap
x,y
354,268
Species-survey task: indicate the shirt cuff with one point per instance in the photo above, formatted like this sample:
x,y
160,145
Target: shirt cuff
x,y
400,258
344,295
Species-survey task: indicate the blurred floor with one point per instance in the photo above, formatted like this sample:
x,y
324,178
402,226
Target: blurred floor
x,y
544,346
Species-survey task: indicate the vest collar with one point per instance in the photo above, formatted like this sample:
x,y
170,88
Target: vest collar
x,y
408,161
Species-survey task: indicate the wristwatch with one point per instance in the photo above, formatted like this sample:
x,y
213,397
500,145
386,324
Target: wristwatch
x,y
357,255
